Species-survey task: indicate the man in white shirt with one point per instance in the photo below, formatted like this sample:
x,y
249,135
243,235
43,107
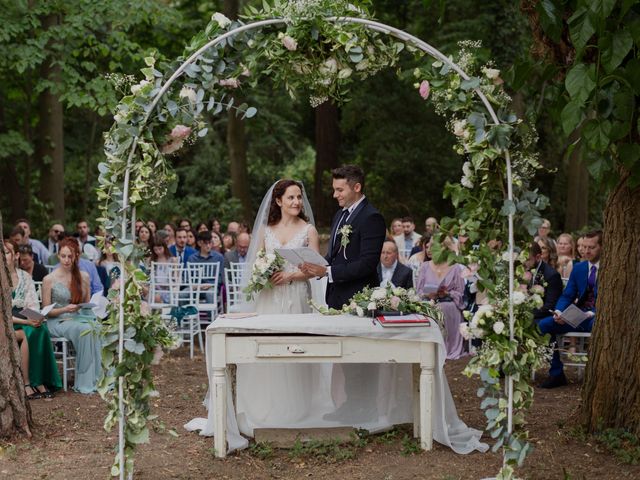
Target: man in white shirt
x,y
36,245
53,238
390,271
408,240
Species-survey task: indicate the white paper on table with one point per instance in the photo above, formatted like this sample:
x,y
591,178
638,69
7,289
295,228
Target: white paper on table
x,y
573,316
296,256
37,314
430,288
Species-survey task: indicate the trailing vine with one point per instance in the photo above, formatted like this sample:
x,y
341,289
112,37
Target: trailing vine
x,y
320,54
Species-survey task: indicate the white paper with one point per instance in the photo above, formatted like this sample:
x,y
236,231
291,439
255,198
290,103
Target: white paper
x,y
296,256
37,314
101,304
574,316
87,305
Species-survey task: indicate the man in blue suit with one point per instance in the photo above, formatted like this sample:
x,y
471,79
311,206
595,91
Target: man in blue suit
x,y
181,249
582,289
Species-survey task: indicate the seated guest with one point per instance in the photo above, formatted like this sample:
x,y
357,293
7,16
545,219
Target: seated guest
x,y
214,225
233,227
229,241
139,223
170,229
565,247
449,295
431,225
82,232
40,251
206,255
417,259
153,226
109,259
68,287
581,290
390,271
41,370
36,271
185,223
395,229
51,243
243,227
160,254
549,253
201,227
216,242
145,240
542,274
191,239
95,283
408,239
580,249
181,250
239,254
544,230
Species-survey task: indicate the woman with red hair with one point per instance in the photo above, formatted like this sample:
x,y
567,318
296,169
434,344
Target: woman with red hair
x,y
68,288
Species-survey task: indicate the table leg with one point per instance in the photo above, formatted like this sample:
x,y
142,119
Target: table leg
x,y
220,392
416,400
426,396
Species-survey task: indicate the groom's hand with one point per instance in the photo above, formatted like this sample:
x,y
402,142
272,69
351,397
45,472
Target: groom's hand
x,y
313,269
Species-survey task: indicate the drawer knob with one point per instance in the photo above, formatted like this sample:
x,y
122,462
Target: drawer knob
x,y
295,349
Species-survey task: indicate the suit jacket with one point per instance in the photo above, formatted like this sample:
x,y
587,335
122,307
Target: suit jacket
x,y
552,291
351,274
402,276
399,239
188,251
576,287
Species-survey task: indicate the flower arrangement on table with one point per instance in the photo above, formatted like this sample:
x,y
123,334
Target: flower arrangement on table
x,y
265,266
368,301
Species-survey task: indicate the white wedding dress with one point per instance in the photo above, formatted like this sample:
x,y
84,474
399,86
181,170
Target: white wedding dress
x,y
283,395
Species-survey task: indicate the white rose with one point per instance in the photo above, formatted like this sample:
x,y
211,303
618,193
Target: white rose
x,y
398,291
371,306
190,93
491,73
459,128
498,327
518,297
466,182
270,257
537,300
466,169
136,88
464,331
222,19
353,305
330,66
289,43
360,311
345,73
378,294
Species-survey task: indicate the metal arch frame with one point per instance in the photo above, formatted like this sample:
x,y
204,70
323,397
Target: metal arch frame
x,y
372,25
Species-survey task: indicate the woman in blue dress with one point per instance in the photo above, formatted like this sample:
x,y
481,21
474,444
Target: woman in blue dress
x,y
68,287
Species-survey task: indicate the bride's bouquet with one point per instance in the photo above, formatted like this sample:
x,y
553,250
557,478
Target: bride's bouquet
x,y
265,266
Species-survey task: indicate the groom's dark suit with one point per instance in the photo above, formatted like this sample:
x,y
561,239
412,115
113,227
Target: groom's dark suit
x,y
351,274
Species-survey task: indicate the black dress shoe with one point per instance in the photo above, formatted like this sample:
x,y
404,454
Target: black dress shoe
x,y
554,381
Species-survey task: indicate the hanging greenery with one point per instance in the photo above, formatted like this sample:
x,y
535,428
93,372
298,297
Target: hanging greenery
x,y
321,54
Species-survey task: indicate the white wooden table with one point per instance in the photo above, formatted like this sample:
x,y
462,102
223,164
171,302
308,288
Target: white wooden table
x,y
228,346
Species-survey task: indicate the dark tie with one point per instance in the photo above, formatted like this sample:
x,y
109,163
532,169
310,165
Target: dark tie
x,y
591,281
343,219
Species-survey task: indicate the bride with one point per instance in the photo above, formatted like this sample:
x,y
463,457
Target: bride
x,y
277,395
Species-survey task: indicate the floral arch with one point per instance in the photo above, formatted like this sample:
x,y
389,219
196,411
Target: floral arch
x,y
326,46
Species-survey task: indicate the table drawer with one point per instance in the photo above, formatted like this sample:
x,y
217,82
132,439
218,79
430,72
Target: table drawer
x,y
310,348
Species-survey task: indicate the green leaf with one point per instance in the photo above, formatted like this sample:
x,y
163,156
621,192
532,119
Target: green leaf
x,y
550,15
581,29
615,48
629,154
473,82
597,134
499,136
601,8
140,437
580,81
250,113
571,115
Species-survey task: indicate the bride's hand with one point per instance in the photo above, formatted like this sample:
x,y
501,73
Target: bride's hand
x,y
279,278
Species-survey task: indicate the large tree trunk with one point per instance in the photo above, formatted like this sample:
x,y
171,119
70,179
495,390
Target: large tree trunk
x,y
611,393
15,413
327,145
50,137
577,212
237,141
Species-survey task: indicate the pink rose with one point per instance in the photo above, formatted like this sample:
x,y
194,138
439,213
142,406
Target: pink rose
x,y
425,89
145,309
289,43
171,146
527,277
523,288
395,301
230,82
180,132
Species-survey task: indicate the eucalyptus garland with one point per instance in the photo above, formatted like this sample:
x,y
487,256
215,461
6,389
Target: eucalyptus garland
x,y
320,54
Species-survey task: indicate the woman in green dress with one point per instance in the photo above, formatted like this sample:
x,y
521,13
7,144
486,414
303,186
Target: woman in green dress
x,y
68,288
43,371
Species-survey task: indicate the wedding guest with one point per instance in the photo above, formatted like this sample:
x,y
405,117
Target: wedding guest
x,y
139,223
181,250
243,227
239,254
109,259
30,392
191,239
145,240
36,271
99,233
51,243
214,225
233,227
431,225
42,254
216,242
549,253
42,371
206,255
580,248
82,229
545,275
68,288
417,259
17,236
566,248
85,265
390,270
170,231
395,229
185,223
408,239
160,254
229,241
153,227
448,284
202,227
581,290
544,229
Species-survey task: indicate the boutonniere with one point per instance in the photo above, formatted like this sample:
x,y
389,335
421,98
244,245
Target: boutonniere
x,y
345,231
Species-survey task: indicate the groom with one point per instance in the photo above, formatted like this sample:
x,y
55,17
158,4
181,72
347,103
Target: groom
x,y
357,235
360,227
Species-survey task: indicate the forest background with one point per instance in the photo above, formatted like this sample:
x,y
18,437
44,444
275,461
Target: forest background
x,y
56,98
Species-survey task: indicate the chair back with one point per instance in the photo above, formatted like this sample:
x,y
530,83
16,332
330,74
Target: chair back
x,y
166,285
203,280
233,278
38,286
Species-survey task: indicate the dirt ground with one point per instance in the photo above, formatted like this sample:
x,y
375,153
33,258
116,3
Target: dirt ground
x,y
69,441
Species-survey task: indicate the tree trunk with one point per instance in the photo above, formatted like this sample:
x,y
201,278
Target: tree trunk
x,y
50,136
327,145
15,412
577,213
237,142
611,392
